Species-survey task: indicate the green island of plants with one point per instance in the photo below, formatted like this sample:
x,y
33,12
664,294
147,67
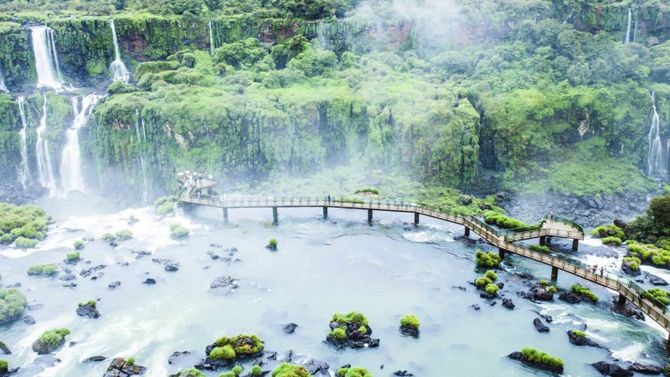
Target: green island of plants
x,y
542,359
12,305
496,218
659,295
650,254
50,341
73,257
487,259
353,372
23,225
580,290
165,205
410,321
229,349
190,372
178,232
50,269
4,366
290,370
272,244
235,372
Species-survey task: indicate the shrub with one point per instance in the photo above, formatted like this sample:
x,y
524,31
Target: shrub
x,y
241,345
223,353
482,282
633,262
130,361
610,230
410,321
78,245
43,270
178,232
12,304
355,318
73,257
584,291
289,370
4,366
579,333
544,282
353,372
491,275
339,334
541,249
25,243
22,221
367,190
50,340
272,244
491,289
553,289
542,358
109,237
191,372
612,241
487,259
495,218
256,371
92,303
124,235
659,295
165,205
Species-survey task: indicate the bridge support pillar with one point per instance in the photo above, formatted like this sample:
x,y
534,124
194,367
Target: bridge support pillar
x,y
621,301
225,216
554,273
543,240
466,234
501,253
369,216
275,216
416,218
325,213
575,245
548,240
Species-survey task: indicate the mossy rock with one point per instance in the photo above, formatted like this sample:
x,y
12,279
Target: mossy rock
x,y
12,305
50,341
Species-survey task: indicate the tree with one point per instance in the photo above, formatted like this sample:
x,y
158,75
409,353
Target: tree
x,y
659,213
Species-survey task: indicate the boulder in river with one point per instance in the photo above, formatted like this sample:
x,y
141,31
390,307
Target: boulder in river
x,y
289,328
113,285
508,303
579,338
550,363
50,341
651,370
224,285
124,368
4,349
539,326
540,292
611,369
149,281
351,330
628,310
88,309
93,359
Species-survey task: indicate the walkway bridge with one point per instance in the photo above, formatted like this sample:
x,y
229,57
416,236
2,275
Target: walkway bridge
x,y
503,240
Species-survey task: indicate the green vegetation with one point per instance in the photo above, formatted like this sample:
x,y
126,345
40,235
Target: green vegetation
x,y
491,289
130,361
237,347
109,237
356,318
223,353
73,257
78,245
43,270
579,333
541,358
50,340
650,254
178,232
165,205
632,262
92,303
339,334
487,259
12,305
368,191
25,243
272,244
256,371
4,366
410,321
191,372
584,291
540,248
612,241
235,372
27,225
489,277
124,235
659,295
353,372
496,218
289,370
610,230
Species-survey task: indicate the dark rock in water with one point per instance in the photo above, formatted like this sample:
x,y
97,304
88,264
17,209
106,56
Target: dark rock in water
x,y
519,356
160,260
540,293
28,320
539,326
475,307
572,298
149,281
89,271
172,266
224,284
646,369
5,350
114,284
43,348
402,373
34,307
628,310
508,303
89,310
579,340
113,243
409,331
213,255
94,359
626,266
354,337
120,368
612,370
655,280
289,328
9,372
141,253
216,245
67,277
620,223
72,285
459,287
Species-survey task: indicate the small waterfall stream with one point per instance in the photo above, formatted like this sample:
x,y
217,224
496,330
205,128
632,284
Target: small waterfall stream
x,y
656,164
211,38
44,165
117,68
72,177
3,87
140,141
24,169
46,58
630,17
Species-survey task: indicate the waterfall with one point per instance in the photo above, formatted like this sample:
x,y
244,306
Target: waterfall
x,y
211,38
117,68
72,178
635,31
630,17
655,163
140,142
3,87
46,58
24,173
44,167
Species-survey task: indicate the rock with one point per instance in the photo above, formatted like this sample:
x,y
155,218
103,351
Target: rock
x,y
120,368
289,328
459,287
655,280
613,370
539,326
216,245
570,298
175,356
89,310
89,271
149,281
5,350
540,293
354,338
475,307
224,285
508,303
646,369
28,320
113,285
409,331
67,277
160,260
93,359
628,310
519,356
620,223
402,373
581,340
43,348
141,253
628,269
172,266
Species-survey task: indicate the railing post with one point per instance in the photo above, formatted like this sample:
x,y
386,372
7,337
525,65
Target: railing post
x,y
225,216
501,253
325,213
370,216
275,216
416,218
554,273
466,234
575,244
543,240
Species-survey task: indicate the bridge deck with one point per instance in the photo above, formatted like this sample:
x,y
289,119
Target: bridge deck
x,y
501,239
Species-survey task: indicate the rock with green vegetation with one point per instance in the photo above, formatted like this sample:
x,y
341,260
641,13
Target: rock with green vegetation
x,y
124,235
496,218
487,259
25,243
290,370
73,257
579,338
165,205
235,372
631,265
609,230
27,225
88,309
353,372
578,293
650,254
539,360
228,350
540,248
272,244
120,367
50,269
50,341
491,290
178,232
12,305
78,245
190,372
658,295
612,241
351,330
409,325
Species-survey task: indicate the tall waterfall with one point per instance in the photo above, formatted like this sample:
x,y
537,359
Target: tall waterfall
x,y
118,69
46,58
3,87
211,38
656,164
44,166
24,172
140,141
72,178
630,18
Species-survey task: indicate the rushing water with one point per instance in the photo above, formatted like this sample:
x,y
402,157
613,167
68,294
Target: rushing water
x,y
117,68
46,58
24,168
43,155
321,267
211,37
656,164
72,178
628,25
141,139
3,87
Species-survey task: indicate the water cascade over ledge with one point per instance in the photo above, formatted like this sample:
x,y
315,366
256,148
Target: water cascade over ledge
x,y
44,165
117,68
3,87
656,164
24,168
630,17
46,58
211,38
141,139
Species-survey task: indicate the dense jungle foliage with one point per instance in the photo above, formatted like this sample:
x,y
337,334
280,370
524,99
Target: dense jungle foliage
x,y
522,95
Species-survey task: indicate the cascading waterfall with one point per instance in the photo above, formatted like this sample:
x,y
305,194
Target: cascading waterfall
x,y
46,58
44,167
630,17
211,38
118,69
3,87
24,173
72,178
140,141
656,164
635,31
